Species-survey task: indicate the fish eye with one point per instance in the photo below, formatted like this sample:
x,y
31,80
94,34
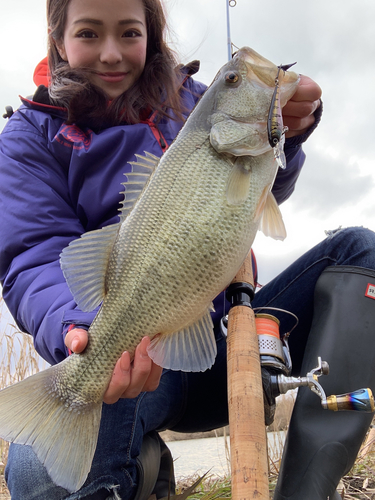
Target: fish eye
x,y
232,77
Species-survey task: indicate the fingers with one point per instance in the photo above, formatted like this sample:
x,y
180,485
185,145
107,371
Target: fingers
x,y
307,90
153,380
76,340
120,380
300,109
298,113
130,379
145,373
298,126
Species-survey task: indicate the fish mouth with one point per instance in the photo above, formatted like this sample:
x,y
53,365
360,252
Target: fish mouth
x,y
264,72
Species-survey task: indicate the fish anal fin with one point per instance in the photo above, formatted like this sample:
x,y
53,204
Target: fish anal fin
x,y
84,264
192,349
272,223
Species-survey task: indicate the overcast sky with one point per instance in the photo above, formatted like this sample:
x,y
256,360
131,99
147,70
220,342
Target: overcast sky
x,y
333,42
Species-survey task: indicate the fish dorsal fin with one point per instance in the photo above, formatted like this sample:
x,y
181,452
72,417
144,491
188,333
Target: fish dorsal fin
x,y
238,187
137,180
84,264
192,349
272,223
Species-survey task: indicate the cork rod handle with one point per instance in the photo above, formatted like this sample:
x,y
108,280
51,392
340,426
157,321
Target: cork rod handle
x,y
248,441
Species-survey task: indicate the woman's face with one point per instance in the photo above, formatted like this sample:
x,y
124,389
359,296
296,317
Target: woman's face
x,y
110,38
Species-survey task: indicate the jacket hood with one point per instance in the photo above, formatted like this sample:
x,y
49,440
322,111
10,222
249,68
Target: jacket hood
x,y
41,73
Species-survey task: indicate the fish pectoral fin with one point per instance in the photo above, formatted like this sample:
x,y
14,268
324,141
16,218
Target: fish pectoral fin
x,y
63,437
84,265
192,349
137,181
271,223
238,186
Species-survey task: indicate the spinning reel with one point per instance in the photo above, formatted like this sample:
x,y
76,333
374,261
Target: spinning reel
x,y
276,360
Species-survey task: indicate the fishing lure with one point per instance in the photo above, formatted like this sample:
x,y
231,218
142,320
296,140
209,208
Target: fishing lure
x,y
275,127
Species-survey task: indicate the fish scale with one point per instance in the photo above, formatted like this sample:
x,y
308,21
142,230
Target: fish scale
x,y
187,223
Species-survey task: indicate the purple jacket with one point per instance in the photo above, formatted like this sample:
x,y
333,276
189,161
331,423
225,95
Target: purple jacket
x,y
58,181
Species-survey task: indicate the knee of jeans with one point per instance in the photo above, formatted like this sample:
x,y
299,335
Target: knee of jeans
x,y
343,231
330,233
353,232
359,235
354,246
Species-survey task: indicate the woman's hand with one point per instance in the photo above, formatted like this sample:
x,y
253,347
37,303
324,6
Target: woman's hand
x,y
298,113
128,379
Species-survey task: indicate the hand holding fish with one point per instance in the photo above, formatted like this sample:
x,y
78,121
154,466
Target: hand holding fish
x,y
298,113
128,379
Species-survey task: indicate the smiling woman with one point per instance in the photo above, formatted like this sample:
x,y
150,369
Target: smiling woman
x,y
111,43
114,91
110,50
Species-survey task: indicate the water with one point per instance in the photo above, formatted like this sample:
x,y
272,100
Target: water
x,y
197,456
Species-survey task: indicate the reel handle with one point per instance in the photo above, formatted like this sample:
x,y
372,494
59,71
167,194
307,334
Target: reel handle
x,y
360,400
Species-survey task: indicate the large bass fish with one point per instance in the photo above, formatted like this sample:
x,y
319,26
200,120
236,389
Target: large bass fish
x,y
186,225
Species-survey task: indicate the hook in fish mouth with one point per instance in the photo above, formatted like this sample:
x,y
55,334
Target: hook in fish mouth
x,y
285,67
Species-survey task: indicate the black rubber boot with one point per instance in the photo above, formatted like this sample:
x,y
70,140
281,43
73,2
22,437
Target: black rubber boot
x,y
155,469
322,445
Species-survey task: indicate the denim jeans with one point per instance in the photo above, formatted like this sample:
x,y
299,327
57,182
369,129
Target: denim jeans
x,y
190,402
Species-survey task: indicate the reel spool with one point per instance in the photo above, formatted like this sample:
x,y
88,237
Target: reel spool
x,y
274,352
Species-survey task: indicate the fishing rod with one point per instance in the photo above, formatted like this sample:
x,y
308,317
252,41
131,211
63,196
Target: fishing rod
x,y
229,3
249,458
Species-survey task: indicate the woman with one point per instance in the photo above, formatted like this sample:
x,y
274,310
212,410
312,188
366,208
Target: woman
x,y
114,92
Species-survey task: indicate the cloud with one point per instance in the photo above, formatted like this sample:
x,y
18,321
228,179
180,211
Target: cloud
x,y
329,184
270,266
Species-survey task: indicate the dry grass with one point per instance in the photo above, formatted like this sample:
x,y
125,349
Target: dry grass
x,y
359,484
355,486
18,359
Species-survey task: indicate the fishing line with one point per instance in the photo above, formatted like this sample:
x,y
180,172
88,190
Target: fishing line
x,y
287,334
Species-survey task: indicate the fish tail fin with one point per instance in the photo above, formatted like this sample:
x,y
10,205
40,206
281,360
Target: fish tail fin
x,y
63,436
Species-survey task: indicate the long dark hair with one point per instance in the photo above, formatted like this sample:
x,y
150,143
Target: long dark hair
x,y
156,89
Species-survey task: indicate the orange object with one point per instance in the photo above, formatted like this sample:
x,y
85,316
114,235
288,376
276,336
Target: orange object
x,y
41,73
267,325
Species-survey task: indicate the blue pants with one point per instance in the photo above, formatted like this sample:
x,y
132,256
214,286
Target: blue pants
x,y
189,402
